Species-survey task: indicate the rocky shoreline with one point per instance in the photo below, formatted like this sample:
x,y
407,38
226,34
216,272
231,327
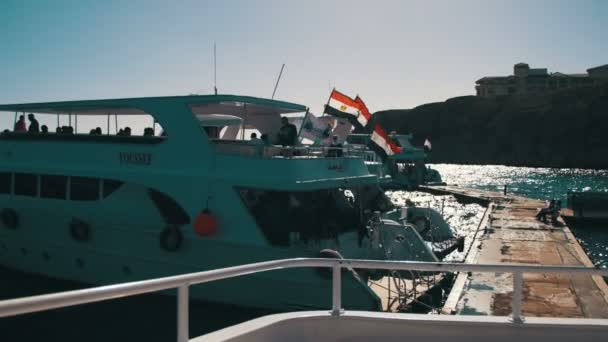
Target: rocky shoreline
x,y
568,129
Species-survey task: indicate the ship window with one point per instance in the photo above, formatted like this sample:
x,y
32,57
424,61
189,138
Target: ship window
x,y
109,186
5,183
168,208
26,184
84,189
318,214
53,186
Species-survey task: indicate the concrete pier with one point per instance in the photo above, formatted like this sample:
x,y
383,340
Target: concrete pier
x,y
509,233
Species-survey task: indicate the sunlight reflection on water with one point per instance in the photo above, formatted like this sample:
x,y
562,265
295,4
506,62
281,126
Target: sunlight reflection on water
x,y
462,218
540,183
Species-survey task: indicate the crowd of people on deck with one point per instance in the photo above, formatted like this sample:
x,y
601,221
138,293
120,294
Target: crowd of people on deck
x,y
287,136
34,127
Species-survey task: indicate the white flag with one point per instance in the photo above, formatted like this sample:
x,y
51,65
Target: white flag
x,y
427,144
318,130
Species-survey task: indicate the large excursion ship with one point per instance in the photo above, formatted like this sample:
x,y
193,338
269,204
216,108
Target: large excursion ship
x,y
109,208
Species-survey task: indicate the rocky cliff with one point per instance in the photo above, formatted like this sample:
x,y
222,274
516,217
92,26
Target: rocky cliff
x,y
565,129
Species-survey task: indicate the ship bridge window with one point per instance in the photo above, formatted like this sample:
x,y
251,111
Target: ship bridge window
x,y
84,189
109,186
5,182
53,186
26,184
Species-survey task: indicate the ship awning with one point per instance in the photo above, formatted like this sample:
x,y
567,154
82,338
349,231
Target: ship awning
x,y
199,104
218,120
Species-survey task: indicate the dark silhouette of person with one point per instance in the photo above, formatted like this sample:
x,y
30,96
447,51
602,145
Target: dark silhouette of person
x,y
288,133
127,131
264,138
20,124
335,148
34,127
98,130
44,129
255,140
542,214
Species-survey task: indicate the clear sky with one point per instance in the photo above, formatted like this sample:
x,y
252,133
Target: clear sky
x,y
394,54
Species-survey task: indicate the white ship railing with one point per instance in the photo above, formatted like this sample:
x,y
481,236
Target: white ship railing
x,y
25,305
243,148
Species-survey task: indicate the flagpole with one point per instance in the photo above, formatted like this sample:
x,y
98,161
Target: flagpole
x,y
303,121
278,79
328,99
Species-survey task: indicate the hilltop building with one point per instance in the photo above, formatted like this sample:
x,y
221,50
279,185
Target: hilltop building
x,y
526,80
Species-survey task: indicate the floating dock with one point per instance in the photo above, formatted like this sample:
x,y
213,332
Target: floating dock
x,y
510,234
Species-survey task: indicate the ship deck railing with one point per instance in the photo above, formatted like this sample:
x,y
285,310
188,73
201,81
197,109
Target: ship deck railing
x,y
246,148
183,282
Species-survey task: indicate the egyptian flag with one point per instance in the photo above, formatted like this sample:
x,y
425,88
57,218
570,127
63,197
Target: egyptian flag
x,y
382,144
364,116
342,106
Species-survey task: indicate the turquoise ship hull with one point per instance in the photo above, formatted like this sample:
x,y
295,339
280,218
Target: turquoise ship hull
x,y
146,195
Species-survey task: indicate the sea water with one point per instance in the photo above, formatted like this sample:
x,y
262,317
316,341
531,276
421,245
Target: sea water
x,y
539,183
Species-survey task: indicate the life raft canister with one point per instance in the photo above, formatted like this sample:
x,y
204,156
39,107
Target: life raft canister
x,y
205,224
9,217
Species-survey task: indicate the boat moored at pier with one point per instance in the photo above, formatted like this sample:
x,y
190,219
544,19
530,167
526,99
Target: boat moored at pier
x,y
108,208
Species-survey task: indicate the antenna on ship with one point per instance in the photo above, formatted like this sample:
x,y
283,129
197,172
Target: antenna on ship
x,y
278,79
214,69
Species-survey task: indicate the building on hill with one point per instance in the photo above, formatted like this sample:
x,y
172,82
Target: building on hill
x,y
526,80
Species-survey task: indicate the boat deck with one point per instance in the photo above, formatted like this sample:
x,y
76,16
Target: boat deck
x,y
511,234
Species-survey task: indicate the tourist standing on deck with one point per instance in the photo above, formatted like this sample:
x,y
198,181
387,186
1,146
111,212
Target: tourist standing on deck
x,y
253,138
335,148
265,140
20,124
288,133
34,127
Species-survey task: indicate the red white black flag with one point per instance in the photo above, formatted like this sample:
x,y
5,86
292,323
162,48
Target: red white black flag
x,y
382,144
342,106
364,116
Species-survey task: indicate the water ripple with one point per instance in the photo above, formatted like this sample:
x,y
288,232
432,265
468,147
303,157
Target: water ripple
x,y
540,183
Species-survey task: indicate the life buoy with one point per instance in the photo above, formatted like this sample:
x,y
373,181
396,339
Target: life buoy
x,y
80,230
205,224
9,217
171,239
